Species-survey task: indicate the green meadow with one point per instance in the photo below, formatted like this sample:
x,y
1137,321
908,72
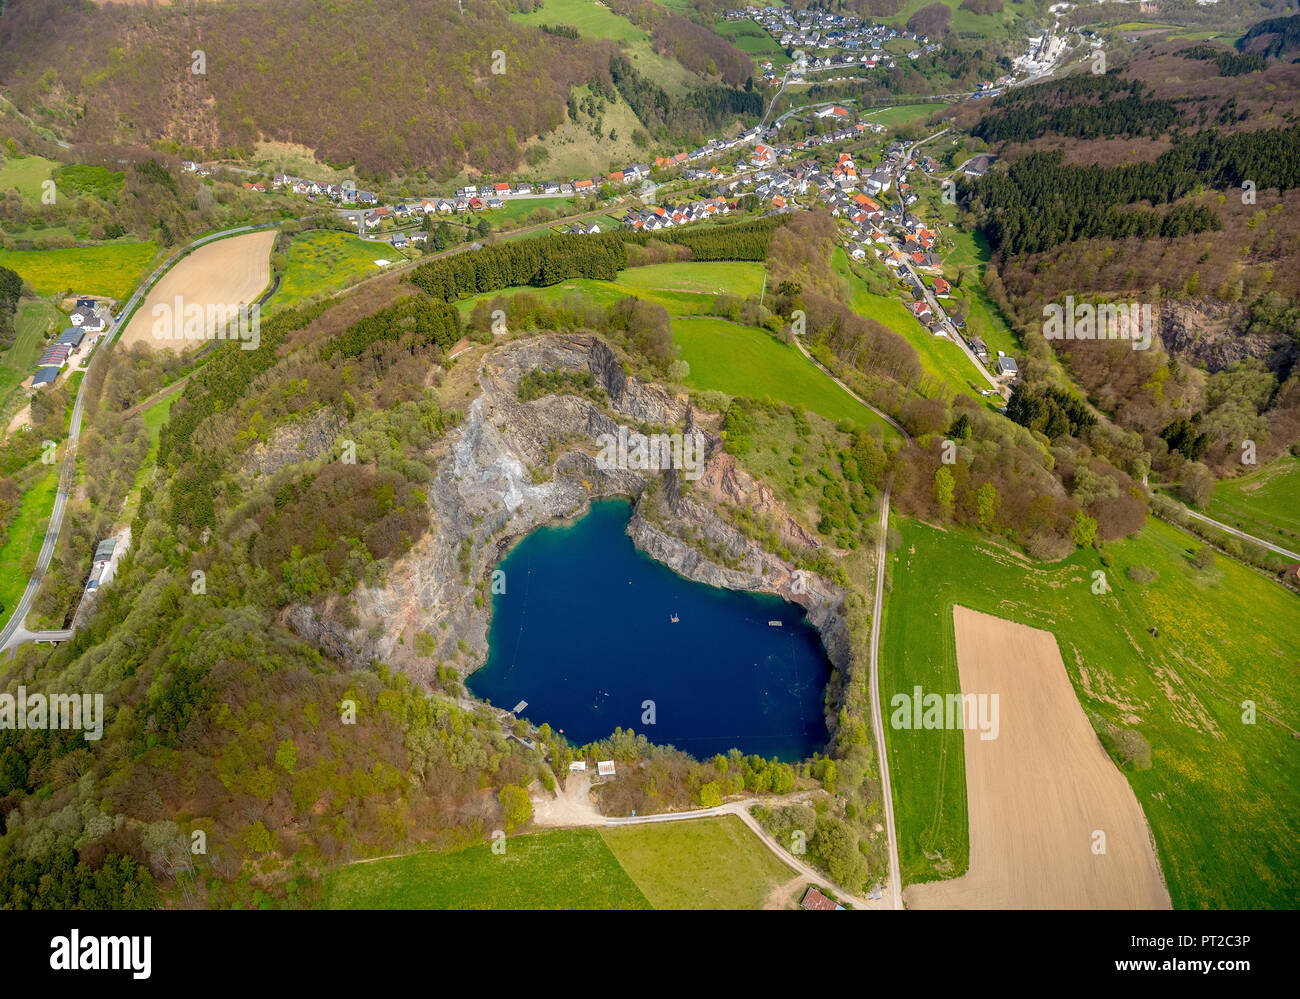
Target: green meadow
x,y
684,289
1262,503
593,20
25,174
700,863
745,360
713,863
1219,793
25,535
35,320
324,261
112,269
904,114
561,869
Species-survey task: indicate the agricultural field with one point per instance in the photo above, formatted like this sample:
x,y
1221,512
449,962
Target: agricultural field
x,y
1262,503
595,20
520,208
1217,789
561,869
753,40
227,272
324,261
26,534
111,270
744,360
1039,784
964,22
713,863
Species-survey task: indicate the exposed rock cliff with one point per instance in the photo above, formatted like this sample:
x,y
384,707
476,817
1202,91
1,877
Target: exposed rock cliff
x,y
511,467
1214,333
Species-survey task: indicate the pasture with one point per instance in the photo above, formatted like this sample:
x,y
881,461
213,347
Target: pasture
x,y
744,360
25,174
715,863
25,535
1262,503
35,320
559,869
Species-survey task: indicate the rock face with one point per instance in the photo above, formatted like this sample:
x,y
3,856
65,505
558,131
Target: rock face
x,y
511,467
296,442
1213,333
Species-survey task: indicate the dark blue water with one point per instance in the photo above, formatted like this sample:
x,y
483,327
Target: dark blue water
x,y
584,634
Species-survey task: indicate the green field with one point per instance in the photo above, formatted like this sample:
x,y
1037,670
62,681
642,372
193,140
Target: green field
x,y
964,21
592,20
903,114
744,360
651,283
1263,503
698,864
325,261
25,174
1220,795
563,869
695,864
739,278
36,318
971,252
26,534
753,40
111,270
520,208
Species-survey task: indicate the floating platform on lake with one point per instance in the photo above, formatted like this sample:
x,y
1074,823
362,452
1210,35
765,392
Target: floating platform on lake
x,y
518,707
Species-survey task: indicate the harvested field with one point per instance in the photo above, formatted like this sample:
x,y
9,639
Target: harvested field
x,y
228,273
1040,791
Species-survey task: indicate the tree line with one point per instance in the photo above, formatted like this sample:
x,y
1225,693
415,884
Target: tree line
x,y
1039,202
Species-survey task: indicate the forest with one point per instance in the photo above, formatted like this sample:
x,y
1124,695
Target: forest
x,y
409,86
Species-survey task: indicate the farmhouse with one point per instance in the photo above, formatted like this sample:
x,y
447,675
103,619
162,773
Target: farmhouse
x,y
814,899
45,376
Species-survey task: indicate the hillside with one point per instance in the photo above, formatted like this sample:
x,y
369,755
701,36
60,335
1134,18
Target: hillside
x,y
409,87
1171,181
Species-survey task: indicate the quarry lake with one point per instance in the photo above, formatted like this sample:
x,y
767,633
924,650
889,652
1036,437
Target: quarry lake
x,y
585,633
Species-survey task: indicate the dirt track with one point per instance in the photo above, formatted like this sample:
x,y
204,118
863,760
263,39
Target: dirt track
x,y
1039,790
229,272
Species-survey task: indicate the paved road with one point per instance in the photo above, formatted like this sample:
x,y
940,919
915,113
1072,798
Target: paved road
x,y
13,632
1243,535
